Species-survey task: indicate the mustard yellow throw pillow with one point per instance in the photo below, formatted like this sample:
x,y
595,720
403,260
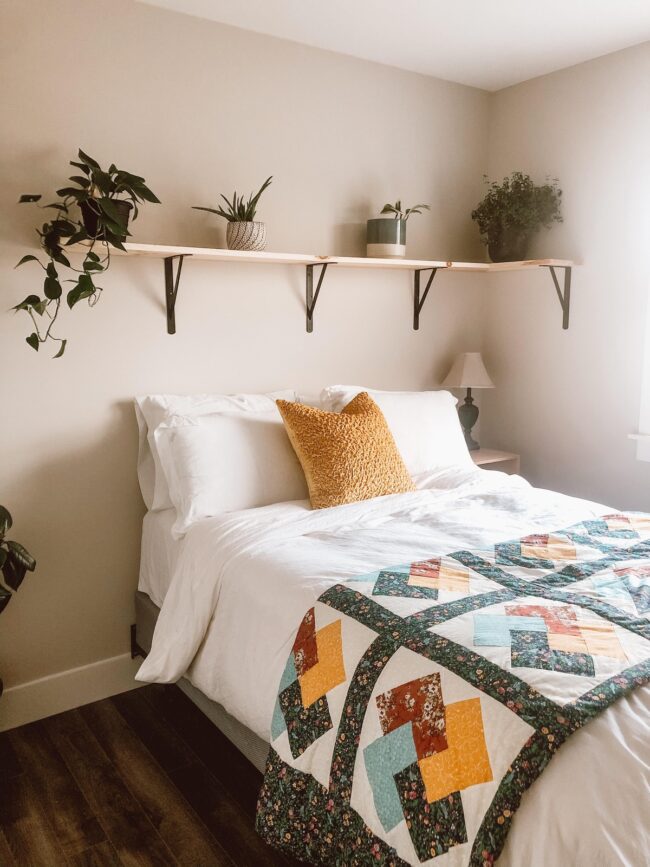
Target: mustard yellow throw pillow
x,y
346,456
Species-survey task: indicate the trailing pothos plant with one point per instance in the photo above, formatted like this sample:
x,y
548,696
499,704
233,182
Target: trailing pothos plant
x,y
15,562
93,210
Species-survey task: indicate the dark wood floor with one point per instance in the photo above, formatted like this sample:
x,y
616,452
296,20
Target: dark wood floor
x,y
142,778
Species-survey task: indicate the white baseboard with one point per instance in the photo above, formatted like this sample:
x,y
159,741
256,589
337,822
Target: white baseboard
x,y
67,689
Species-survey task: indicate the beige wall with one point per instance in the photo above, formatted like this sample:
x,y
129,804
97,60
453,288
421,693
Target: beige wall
x,y
198,109
568,399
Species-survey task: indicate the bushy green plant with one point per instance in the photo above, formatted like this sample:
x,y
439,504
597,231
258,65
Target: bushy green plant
x,y
403,214
15,562
517,203
107,197
238,211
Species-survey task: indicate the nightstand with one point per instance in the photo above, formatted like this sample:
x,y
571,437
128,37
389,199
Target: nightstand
x,y
491,459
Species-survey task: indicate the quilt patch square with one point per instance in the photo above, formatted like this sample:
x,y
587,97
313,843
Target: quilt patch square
x,y
385,758
437,575
434,827
420,703
304,724
328,671
394,583
465,762
532,650
636,580
547,547
305,653
601,640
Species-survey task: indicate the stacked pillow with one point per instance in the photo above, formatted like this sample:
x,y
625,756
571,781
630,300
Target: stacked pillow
x,y
207,454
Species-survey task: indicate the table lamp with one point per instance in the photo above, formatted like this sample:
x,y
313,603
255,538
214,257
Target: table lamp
x,y
468,371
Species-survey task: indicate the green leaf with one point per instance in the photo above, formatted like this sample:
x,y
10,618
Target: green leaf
x,y
29,197
71,192
84,289
89,161
30,301
5,596
61,259
82,166
13,570
32,340
22,555
41,307
108,207
61,350
81,235
115,240
93,266
52,288
79,179
196,208
28,258
92,256
6,521
147,195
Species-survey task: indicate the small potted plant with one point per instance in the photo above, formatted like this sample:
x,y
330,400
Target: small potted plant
x,y
386,238
513,211
105,200
243,231
15,562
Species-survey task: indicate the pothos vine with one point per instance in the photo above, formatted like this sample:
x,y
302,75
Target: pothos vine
x,y
104,201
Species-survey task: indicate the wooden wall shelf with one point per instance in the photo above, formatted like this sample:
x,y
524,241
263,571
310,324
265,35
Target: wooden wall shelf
x,y
172,278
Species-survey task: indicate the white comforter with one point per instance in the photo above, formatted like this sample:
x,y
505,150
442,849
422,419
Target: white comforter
x,y
244,581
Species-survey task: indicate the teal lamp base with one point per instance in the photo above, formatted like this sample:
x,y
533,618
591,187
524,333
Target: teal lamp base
x,y
468,415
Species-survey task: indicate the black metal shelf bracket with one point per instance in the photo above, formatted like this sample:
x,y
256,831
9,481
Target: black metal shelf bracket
x,y
311,297
171,289
418,297
564,296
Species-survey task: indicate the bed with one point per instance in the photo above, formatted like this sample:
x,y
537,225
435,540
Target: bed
x,y
243,598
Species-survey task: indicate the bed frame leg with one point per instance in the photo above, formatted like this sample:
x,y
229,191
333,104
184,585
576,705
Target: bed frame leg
x,y
136,650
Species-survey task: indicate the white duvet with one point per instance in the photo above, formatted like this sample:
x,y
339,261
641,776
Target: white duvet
x,y
244,581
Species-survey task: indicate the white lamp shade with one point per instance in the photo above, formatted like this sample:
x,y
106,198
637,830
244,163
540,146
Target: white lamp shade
x,y
468,371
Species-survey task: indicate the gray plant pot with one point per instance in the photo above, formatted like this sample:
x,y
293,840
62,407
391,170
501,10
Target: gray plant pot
x,y
246,236
386,239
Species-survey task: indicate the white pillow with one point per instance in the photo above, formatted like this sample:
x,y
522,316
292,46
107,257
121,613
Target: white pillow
x,y
227,461
424,424
153,409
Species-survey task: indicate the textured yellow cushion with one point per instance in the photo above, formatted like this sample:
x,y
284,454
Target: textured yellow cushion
x,y
346,456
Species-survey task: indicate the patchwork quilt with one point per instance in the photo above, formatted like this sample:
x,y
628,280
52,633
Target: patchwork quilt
x,y
420,701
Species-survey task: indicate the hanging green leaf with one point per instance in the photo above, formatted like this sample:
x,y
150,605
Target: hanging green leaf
x,y
52,288
61,349
33,341
6,521
29,197
28,258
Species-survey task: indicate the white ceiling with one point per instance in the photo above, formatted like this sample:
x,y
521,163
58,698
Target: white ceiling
x,y
476,42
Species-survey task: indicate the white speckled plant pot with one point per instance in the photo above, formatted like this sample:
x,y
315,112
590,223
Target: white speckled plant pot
x,y
386,239
246,236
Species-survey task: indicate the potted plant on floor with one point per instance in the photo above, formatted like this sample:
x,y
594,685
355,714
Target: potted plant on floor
x,y
243,231
386,238
15,562
513,211
105,201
